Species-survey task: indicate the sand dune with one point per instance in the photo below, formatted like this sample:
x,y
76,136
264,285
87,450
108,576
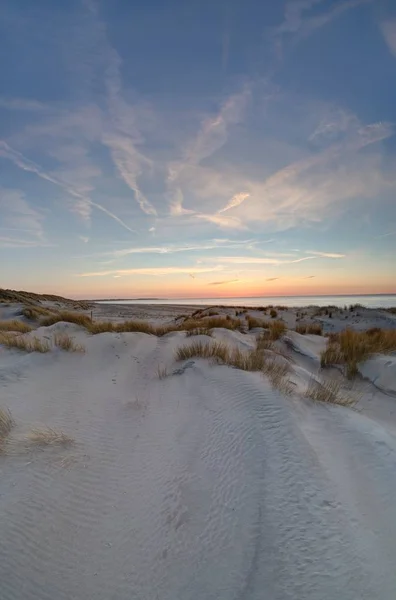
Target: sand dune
x,y
203,482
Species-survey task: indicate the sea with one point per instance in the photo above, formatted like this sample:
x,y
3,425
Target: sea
x,y
373,301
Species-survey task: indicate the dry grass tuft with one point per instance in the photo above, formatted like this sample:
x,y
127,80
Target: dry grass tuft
x,y
253,322
215,350
277,374
253,360
276,329
46,436
328,392
26,344
273,313
162,372
66,342
15,326
265,343
311,328
6,424
199,331
67,316
34,313
351,347
101,327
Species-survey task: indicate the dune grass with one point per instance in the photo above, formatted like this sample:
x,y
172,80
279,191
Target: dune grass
x,y
264,342
253,322
34,313
276,329
246,360
67,343
162,372
199,331
46,436
25,344
310,328
67,316
200,349
15,325
6,424
328,392
273,313
351,347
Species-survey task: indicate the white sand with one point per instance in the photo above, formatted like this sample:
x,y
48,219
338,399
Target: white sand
x,y
206,484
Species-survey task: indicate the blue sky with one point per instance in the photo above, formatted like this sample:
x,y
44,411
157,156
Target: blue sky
x,y
191,148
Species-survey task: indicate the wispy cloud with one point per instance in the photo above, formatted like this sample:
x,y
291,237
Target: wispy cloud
x,y
235,201
326,254
18,215
310,277
272,279
22,104
221,221
83,203
224,282
153,271
258,260
298,23
174,249
130,164
84,239
388,29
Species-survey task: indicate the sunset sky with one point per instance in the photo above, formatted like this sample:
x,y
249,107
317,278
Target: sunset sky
x,y
198,148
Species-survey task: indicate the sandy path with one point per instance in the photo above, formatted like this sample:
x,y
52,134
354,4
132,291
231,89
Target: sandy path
x,y
203,485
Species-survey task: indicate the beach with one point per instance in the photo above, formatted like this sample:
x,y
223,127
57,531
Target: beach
x,y
133,472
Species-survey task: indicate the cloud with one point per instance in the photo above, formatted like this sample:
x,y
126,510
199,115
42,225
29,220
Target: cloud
x,y
153,271
298,25
214,130
130,163
236,200
388,29
326,254
10,242
226,222
211,136
310,277
223,282
22,104
83,203
17,214
176,205
254,260
84,239
172,248
272,279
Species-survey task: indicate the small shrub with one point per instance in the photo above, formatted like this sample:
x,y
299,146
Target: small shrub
x,y
15,326
273,313
276,329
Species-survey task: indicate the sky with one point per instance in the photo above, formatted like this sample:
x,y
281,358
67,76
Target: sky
x,y
198,148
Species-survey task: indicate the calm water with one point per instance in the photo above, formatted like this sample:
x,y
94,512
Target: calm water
x,y
379,301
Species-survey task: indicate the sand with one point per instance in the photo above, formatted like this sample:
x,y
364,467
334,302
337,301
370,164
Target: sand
x,y
206,483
